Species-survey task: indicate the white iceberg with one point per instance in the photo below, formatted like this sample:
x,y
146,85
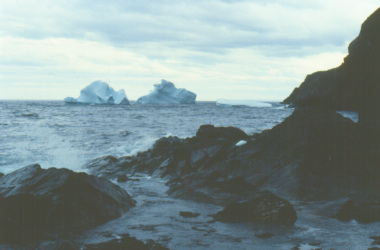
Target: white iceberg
x,y
167,93
240,143
99,92
249,103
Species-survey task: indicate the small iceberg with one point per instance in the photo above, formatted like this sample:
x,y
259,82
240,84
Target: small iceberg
x,y
240,143
249,103
167,93
99,92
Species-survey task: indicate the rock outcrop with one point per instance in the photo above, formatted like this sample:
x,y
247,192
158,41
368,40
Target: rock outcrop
x,y
367,211
38,204
266,208
314,154
355,85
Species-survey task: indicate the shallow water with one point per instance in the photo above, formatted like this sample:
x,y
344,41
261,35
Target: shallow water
x,y
156,216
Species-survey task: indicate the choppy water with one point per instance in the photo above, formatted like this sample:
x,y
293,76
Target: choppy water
x,y
55,134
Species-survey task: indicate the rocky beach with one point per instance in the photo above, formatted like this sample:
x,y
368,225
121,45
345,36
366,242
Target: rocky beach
x,y
315,164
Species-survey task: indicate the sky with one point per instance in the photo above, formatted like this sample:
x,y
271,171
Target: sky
x,y
258,49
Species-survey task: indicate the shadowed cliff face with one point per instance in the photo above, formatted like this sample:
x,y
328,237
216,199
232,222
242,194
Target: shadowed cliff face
x,y
354,85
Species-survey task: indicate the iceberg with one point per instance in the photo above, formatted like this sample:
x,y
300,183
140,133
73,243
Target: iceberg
x,y
167,93
249,103
99,92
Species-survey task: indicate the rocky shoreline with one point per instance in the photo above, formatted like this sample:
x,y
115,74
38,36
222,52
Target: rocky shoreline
x,y
315,156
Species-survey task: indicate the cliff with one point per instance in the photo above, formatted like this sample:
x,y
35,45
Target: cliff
x,y
354,85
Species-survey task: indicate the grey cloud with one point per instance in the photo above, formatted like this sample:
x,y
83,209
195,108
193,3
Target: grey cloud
x,y
196,25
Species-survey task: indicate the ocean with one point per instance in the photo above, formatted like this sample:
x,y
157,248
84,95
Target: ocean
x,y
55,134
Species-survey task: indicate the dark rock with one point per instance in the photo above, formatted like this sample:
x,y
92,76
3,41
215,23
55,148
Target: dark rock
x,y
315,244
375,238
376,242
188,214
355,84
266,208
347,212
125,178
122,178
207,132
367,211
126,242
314,154
58,245
36,203
1,175
264,235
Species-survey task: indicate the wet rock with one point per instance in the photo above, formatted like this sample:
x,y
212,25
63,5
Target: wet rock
x,y
367,211
126,242
1,175
209,132
314,154
122,178
376,240
266,208
188,214
125,178
42,203
59,245
347,212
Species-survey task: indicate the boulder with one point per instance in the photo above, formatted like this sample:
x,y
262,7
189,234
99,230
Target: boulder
x,y
40,203
266,208
367,211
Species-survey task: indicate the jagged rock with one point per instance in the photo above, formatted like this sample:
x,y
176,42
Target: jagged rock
x,y
40,203
313,154
355,84
266,208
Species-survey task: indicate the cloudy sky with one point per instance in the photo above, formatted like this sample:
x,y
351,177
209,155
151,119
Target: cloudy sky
x,y
258,49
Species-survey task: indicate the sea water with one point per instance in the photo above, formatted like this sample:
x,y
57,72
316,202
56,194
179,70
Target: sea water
x,y
55,134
